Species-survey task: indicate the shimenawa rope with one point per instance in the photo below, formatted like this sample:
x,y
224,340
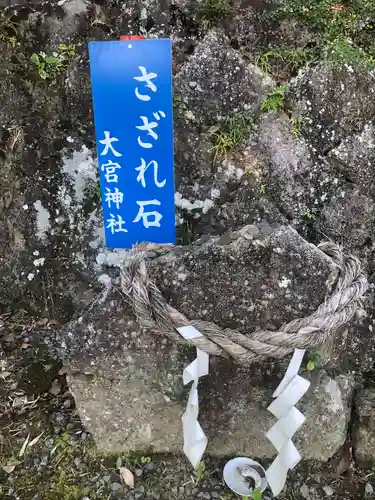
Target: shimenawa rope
x,y
153,312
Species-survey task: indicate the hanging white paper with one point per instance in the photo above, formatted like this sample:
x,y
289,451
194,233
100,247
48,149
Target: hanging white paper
x,y
195,441
292,393
289,392
291,371
276,474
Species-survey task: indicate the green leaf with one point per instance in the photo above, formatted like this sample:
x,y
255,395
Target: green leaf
x,y
257,495
311,366
201,467
199,473
51,60
43,75
35,59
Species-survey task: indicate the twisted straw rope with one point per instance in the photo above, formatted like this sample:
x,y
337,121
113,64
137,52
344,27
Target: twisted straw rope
x,y
153,312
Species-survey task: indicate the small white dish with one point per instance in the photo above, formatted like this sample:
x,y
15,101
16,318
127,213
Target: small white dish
x,y
236,481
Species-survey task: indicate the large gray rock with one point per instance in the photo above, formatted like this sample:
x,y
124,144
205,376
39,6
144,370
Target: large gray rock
x,y
213,85
127,383
365,438
139,408
262,269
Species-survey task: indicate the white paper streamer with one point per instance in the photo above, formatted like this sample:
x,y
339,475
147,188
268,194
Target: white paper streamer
x,y
195,440
289,392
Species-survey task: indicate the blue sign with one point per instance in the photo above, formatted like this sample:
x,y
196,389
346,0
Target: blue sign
x,y
132,94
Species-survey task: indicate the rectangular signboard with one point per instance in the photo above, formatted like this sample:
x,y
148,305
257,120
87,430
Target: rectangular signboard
x,y
132,95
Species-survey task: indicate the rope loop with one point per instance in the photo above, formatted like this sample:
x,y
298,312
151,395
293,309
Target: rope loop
x,y
153,312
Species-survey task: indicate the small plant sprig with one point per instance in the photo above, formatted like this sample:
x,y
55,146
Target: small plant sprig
x,y
50,66
179,103
256,495
7,24
296,124
212,11
262,188
342,50
314,361
274,101
310,214
200,472
232,133
263,61
291,59
342,29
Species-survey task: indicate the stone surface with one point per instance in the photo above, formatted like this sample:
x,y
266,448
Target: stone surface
x,y
140,406
348,217
333,102
297,176
244,205
369,490
220,79
327,410
127,384
328,491
356,158
257,266
353,350
365,436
